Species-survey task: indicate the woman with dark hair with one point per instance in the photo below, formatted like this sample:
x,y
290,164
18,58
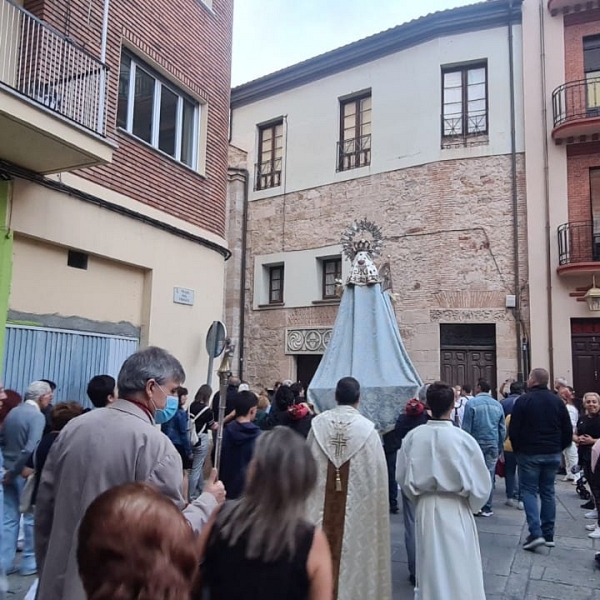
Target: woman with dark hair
x,y
260,547
59,417
288,413
135,544
176,430
202,419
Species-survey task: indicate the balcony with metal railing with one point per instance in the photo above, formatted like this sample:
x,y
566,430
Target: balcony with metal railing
x,y
267,174
578,248
354,153
52,97
564,7
576,111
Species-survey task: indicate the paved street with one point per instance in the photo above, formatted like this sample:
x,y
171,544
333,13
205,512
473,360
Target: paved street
x,y
566,572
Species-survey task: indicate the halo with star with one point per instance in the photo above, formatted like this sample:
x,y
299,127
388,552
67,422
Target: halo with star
x,y
373,241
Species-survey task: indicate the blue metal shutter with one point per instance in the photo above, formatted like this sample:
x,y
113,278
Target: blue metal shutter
x,y
69,358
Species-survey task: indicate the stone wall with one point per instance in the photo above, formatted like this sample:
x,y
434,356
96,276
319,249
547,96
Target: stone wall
x,y
448,230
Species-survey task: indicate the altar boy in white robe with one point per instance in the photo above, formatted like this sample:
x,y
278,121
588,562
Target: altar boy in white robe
x,y
442,470
350,501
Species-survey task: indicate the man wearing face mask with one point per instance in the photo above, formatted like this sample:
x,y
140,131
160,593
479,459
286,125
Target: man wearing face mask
x,y
108,447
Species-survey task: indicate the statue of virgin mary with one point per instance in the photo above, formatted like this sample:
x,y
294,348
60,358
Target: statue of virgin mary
x,y
365,341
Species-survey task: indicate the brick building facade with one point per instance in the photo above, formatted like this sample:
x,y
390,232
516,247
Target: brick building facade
x,y
562,133
189,43
116,195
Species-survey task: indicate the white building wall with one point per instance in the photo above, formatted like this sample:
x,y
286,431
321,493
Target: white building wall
x,y
406,111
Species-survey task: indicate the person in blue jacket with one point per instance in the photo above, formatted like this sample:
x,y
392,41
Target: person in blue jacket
x,y
239,439
176,429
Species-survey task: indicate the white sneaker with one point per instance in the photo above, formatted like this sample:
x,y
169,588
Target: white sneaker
x,y
520,505
595,534
591,527
593,514
510,502
568,478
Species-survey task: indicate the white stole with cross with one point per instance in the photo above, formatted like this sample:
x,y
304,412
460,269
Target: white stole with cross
x,y
341,432
337,436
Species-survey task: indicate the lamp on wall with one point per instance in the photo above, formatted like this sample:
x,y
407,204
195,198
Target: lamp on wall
x,y
592,296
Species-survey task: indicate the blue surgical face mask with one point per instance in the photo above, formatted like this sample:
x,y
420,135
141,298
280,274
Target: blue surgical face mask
x,y
162,415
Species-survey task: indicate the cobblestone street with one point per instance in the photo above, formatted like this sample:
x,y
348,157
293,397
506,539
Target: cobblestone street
x,y
566,572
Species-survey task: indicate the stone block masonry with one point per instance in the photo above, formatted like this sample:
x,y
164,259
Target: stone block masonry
x,y
449,236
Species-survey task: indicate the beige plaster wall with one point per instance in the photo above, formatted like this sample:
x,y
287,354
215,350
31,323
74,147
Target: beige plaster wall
x,y
45,284
168,261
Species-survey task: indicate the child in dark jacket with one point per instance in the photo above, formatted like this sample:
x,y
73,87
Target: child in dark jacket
x,y
239,438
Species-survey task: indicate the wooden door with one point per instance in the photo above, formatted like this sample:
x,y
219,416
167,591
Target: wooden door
x,y
586,364
467,365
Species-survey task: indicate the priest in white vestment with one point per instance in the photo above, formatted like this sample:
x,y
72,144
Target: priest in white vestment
x,y
350,502
442,470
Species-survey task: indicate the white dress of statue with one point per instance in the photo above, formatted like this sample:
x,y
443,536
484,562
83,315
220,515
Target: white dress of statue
x,y
441,469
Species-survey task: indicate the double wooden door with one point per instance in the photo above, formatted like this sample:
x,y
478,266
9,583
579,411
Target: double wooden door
x,y
460,365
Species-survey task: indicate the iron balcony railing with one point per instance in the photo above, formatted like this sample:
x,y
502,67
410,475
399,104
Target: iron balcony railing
x,y
462,125
267,174
576,100
578,242
47,67
354,153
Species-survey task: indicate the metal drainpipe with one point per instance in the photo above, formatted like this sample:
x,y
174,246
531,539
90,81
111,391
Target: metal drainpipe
x,y
515,199
243,262
104,40
542,8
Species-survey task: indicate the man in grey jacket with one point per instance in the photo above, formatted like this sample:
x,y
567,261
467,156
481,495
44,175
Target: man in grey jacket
x,y
484,420
21,433
105,448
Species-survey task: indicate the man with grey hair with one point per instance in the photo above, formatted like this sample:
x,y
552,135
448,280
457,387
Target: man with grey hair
x,y
107,447
21,433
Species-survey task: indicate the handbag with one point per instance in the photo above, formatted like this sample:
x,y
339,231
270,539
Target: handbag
x,y
25,504
501,468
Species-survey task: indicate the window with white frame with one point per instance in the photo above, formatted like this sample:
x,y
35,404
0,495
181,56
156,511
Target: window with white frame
x,y
157,112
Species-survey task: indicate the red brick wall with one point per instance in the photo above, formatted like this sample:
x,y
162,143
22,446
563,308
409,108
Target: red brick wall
x,y
578,26
580,159
193,44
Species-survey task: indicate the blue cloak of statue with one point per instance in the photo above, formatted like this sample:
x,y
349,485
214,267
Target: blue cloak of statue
x,y
366,344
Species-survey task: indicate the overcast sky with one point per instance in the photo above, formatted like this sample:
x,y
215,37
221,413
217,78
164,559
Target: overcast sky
x,y
272,34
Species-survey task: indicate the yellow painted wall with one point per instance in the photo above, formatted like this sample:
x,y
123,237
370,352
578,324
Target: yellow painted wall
x,y
45,284
167,260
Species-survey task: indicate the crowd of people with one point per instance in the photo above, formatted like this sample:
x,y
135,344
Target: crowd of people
x,y
121,501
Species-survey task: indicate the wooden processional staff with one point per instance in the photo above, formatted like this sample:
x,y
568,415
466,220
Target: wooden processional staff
x,y
224,374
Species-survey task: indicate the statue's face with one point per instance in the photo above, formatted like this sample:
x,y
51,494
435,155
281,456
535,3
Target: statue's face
x,y
362,258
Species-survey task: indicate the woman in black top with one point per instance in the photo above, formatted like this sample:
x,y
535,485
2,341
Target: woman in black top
x,y
588,430
586,435
60,416
260,547
288,413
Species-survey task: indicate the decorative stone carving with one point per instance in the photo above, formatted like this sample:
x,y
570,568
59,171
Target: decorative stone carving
x,y
307,340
